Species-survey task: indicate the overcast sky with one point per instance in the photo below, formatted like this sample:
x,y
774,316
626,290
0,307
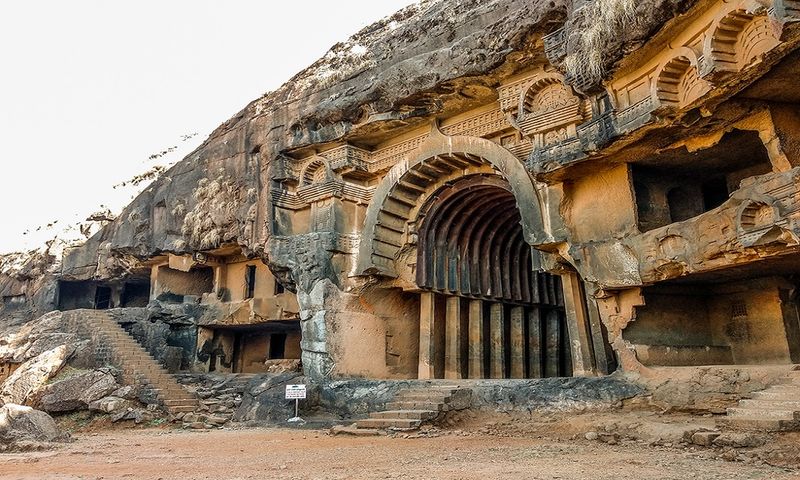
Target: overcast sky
x,y
90,89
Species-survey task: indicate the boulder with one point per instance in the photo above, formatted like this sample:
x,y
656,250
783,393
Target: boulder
x,y
76,393
30,378
21,425
283,366
705,438
110,404
127,392
48,341
740,440
136,414
265,400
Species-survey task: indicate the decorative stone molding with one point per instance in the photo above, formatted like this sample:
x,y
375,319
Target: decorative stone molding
x,y
403,190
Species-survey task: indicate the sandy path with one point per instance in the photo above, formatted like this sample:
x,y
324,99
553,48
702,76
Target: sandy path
x,y
293,454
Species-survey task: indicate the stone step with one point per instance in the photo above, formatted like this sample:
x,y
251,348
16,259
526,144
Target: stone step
x,y
768,414
772,404
401,405
139,366
422,415
755,423
181,409
172,393
169,388
771,394
180,402
388,423
422,397
784,387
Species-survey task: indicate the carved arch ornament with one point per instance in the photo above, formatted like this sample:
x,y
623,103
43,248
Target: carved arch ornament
x,y
677,80
316,171
543,108
759,222
739,36
441,159
734,36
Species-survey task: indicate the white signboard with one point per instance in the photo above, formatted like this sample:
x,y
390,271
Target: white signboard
x,y
295,392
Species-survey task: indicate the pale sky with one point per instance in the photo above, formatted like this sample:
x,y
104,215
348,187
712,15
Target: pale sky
x,y
90,89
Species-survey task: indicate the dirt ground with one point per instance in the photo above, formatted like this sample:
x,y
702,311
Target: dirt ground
x,y
544,449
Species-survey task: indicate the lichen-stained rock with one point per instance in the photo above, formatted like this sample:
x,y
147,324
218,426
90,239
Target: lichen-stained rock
x,y
20,343
30,378
21,425
404,68
78,392
563,394
110,404
265,398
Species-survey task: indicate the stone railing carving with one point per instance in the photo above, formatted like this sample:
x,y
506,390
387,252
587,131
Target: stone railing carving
x,y
555,46
635,116
760,222
590,136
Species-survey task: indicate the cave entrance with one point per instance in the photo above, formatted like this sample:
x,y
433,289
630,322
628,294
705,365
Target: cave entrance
x,y
250,348
484,311
746,315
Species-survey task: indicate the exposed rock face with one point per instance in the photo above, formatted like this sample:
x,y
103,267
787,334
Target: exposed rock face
x,y
405,68
264,399
78,392
21,427
430,60
555,394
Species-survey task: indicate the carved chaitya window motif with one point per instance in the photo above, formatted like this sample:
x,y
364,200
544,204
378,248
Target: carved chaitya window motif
x,y
678,83
739,38
730,37
543,108
314,172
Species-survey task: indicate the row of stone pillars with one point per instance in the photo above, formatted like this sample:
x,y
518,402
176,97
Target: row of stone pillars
x,y
470,338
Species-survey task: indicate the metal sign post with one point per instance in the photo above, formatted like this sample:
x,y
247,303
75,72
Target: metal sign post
x,y
296,393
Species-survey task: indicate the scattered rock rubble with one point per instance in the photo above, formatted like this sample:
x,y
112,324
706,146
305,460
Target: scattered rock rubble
x,y
219,395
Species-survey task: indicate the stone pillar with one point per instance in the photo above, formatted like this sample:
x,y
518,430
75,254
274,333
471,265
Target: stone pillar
x,y
154,285
535,343
220,273
497,329
517,342
427,342
578,326
476,336
452,352
552,342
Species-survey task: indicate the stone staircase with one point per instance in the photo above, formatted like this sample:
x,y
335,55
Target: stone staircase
x,y
414,406
775,409
137,365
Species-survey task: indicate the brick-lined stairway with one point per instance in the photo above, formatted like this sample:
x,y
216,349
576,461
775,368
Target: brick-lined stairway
x,y
115,345
414,406
776,408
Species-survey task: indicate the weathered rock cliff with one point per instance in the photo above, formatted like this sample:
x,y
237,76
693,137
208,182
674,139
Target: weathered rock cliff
x,y
432,58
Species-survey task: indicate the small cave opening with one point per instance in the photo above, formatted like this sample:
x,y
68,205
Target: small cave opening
x,y
677,185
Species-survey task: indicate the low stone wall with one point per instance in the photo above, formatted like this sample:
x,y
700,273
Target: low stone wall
x,y
702,390
347,399
709,389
